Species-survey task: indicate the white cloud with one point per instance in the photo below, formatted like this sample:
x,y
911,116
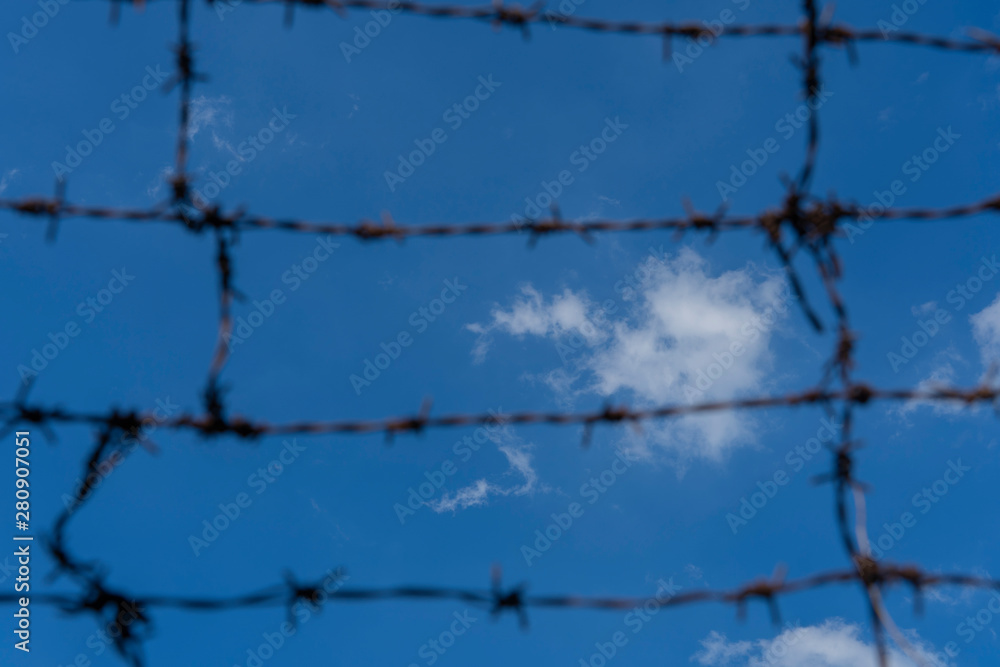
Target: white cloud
x,y
479,492
563,315
943,375
7,177
986,329
832,644
207,112
959,596
154,188
675,345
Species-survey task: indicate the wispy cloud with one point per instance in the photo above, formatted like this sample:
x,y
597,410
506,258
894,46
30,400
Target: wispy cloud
x,y
986,331
207,112
944,374
7,177
532,314
479,492
154,188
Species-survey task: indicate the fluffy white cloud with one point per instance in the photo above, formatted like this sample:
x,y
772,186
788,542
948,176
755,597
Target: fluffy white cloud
x,y
688,336
565,314
832,644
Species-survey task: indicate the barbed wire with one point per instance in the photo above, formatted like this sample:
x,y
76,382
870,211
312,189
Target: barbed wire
x,y
110,604
210,426
823,213
515,15
802,222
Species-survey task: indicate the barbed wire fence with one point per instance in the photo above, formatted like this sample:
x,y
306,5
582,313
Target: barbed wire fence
x,y
801,223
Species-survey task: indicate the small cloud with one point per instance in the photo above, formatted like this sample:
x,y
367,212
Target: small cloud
x,y
7,177
155,187
479,492
564,314
959,596
943,375
962,597
986,330
924,309
225,146
205,112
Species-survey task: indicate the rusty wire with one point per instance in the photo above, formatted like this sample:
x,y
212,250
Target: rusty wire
x,y
802,222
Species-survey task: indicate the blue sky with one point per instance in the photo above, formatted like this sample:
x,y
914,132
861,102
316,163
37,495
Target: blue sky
x,y
495,325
